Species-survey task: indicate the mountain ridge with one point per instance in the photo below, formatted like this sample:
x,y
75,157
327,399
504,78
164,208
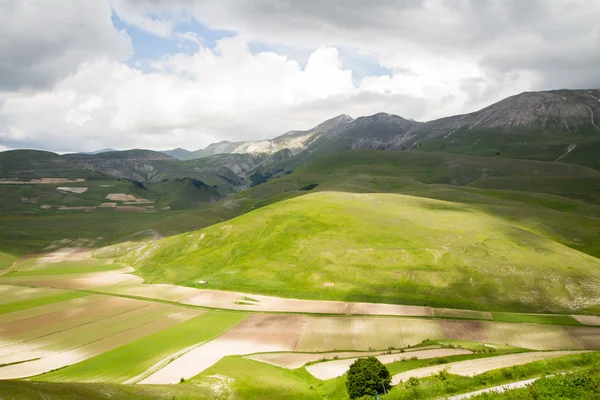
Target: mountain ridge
x,y
556,111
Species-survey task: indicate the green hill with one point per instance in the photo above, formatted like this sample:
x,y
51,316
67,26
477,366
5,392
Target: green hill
x,y
379,248
30,164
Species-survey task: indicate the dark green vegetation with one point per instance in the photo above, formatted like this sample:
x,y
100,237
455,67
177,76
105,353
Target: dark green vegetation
x,y
367,377
28,164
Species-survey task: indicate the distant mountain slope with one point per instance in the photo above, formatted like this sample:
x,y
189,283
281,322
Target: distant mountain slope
x,y
28,164
562,111
139,165
98,151
561,125
179,153
295,141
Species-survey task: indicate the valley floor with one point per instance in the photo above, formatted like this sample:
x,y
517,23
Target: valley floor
x,y
59,324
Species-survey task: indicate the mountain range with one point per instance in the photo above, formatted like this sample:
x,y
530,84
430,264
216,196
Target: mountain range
x,y
559,125
556,116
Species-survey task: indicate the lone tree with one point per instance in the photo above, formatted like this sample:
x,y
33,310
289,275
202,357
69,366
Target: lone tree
x,y
368,376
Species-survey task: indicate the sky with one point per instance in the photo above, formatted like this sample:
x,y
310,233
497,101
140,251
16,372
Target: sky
x,y
81,75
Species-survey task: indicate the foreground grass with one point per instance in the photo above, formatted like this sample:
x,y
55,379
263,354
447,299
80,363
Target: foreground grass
x,y
22,390
133,360
241,378
238,378
378,248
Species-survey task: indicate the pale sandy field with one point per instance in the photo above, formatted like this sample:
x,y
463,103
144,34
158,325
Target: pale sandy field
x,y
481,365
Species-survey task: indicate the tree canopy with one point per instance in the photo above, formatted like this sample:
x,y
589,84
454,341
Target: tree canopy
x,y
368,376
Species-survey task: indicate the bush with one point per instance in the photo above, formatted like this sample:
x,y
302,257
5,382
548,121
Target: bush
x,y
309,186
412,382
368,376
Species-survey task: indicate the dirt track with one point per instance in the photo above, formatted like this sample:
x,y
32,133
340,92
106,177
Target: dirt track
x,y
66,254
481,365
230,300
333,369
296,360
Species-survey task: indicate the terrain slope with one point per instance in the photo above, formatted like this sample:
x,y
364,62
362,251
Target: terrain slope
x,y
379,248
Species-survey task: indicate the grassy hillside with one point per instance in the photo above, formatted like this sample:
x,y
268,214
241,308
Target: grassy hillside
x,y
538,146
404,172
379,248
28,164
180,193
556,200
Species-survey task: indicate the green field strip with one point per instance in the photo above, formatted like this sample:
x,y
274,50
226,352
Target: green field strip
x,y
88,317
7,260
22,305
360,333
129,335
530,336
90,346
134,359
12,294
68,338
536,319
73,338
86,269
49,308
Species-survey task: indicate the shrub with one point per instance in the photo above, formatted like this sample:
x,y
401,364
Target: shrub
x,y
309,186
443,375
367,376
412,382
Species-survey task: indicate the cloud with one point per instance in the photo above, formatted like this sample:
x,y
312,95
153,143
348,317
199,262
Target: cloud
x,y
544,37
128,13
190,99
41,44
310,60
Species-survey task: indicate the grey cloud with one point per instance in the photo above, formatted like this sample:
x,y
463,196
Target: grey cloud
x,y
545,37
41,43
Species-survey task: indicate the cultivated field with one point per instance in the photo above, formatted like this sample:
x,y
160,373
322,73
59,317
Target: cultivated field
x,y
135,361
479,366
41,343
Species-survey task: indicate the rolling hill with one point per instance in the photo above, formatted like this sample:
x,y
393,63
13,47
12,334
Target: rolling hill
x,y
379,248
35,164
